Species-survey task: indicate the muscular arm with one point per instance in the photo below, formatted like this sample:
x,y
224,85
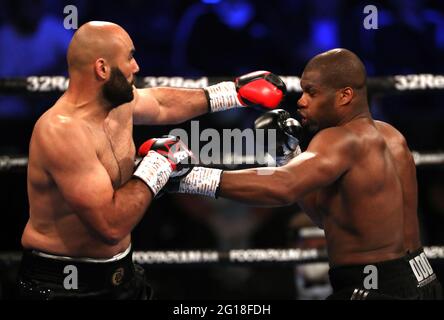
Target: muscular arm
x,y
168,105
85,185
328,156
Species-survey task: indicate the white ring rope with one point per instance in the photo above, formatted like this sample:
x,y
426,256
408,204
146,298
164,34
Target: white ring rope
x,y
54,83
287,256
11,162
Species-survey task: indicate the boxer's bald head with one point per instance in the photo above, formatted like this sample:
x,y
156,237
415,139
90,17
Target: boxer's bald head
x,y
334,88
95,40
101,55
339,68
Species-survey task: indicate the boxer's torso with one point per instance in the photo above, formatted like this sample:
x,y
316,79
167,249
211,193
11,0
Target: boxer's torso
x,y
363,211
53,226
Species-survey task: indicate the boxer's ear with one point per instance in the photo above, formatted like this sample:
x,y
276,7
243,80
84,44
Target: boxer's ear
x,y
344,96
102,69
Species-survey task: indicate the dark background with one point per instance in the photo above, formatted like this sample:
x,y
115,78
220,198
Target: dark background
x,y
226,38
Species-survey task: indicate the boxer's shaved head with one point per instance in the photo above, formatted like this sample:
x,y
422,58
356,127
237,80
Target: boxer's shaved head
x,y
339,68
334,88
102,52
94,40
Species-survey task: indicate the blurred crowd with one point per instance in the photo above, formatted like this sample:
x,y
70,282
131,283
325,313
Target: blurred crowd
x,y
217,37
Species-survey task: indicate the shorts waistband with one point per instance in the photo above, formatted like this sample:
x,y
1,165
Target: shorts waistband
x,y
117,257
89,273
388,273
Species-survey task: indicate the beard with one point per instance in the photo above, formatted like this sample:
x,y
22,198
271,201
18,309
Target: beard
x,y
309,125
117,90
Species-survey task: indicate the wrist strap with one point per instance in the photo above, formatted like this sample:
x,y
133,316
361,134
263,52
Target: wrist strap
x,y
222,96
154,170
201,181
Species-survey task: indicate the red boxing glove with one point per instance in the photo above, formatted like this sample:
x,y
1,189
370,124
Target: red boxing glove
x,y
173,149
260,88
163,159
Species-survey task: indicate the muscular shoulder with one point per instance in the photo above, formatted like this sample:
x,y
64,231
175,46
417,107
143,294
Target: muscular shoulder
x,y
392,136
57,135
388,130
55,126
335,138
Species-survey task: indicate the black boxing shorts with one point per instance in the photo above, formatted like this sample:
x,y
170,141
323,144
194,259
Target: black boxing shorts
x,y
45,276
410,277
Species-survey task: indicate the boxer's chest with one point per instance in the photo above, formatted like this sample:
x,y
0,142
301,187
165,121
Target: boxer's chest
x,y
116,148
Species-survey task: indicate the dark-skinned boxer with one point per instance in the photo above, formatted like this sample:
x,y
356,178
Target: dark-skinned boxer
x,y
356,180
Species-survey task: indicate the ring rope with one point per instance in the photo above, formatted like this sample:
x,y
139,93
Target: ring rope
x,y
51,84
272,256
12,162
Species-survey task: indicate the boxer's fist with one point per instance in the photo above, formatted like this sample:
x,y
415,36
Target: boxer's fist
x,y
260,88
173,149
288,134
200,181
162,158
